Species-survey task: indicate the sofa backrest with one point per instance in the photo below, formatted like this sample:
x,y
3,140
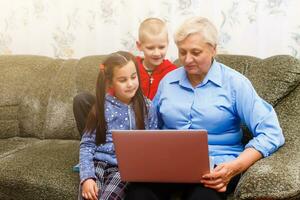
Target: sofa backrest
x,y
24,85
273,77
37,92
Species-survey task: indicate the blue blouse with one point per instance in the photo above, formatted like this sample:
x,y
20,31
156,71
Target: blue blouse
x,y
219,104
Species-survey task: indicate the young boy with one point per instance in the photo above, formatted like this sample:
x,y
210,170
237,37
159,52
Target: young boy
x,y
153,42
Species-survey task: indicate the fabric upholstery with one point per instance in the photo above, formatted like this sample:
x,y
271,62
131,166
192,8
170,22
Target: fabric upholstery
x,y
39,141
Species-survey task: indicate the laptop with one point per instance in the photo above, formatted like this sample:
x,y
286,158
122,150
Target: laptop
x,y
172,156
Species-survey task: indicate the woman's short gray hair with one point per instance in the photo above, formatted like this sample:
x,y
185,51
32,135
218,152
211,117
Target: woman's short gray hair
x,y
197,25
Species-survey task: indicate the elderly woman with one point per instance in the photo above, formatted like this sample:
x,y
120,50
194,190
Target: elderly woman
x,y
206,94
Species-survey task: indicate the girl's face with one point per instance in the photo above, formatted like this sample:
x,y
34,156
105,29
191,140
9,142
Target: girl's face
x,y
125,82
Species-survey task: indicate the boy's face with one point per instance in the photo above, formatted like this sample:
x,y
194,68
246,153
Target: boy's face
x,y
154,48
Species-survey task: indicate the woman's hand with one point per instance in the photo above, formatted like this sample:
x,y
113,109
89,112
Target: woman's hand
x,y
219,178
90,190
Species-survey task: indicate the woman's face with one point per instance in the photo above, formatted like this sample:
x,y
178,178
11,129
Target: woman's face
x,y
196,55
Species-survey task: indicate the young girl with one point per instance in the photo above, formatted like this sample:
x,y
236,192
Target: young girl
x,y
120,104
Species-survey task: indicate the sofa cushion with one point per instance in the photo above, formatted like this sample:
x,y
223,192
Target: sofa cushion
x,y
87,71
12,145
36,97
59,119
24,83
273,77
42,170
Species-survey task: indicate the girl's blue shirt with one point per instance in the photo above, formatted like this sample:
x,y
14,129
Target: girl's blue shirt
x,y
119,116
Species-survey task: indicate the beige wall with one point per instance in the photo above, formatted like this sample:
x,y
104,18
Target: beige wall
x,y
76,28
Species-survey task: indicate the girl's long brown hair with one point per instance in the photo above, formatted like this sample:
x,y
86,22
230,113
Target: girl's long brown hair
x,y
96,118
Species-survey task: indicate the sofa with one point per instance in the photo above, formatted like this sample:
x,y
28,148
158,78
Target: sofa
x,y
39,141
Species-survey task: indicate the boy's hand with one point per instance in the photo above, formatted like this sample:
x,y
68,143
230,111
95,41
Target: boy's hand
x,y
90,190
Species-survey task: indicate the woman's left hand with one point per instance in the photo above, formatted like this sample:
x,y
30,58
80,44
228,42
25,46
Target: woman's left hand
x,y
220,176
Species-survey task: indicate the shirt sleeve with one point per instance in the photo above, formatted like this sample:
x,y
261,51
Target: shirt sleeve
x,y
260,118
86,156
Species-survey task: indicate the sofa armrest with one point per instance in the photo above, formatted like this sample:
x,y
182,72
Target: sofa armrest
x,y
275,177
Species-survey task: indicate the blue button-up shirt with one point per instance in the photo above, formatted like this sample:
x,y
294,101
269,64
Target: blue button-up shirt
x,y
219,104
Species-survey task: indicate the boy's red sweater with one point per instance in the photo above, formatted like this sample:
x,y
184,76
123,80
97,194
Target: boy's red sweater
x,y
149,83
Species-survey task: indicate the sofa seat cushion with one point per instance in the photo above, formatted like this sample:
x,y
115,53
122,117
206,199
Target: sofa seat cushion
x,y
39,169
12,145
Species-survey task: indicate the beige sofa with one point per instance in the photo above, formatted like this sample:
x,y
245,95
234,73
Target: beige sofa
x,y
39,141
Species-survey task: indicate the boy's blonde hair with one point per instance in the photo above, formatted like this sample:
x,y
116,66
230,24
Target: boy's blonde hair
x,y
199,25
152,26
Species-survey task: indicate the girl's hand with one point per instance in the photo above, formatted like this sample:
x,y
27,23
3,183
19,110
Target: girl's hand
x,y
219,178
90,190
